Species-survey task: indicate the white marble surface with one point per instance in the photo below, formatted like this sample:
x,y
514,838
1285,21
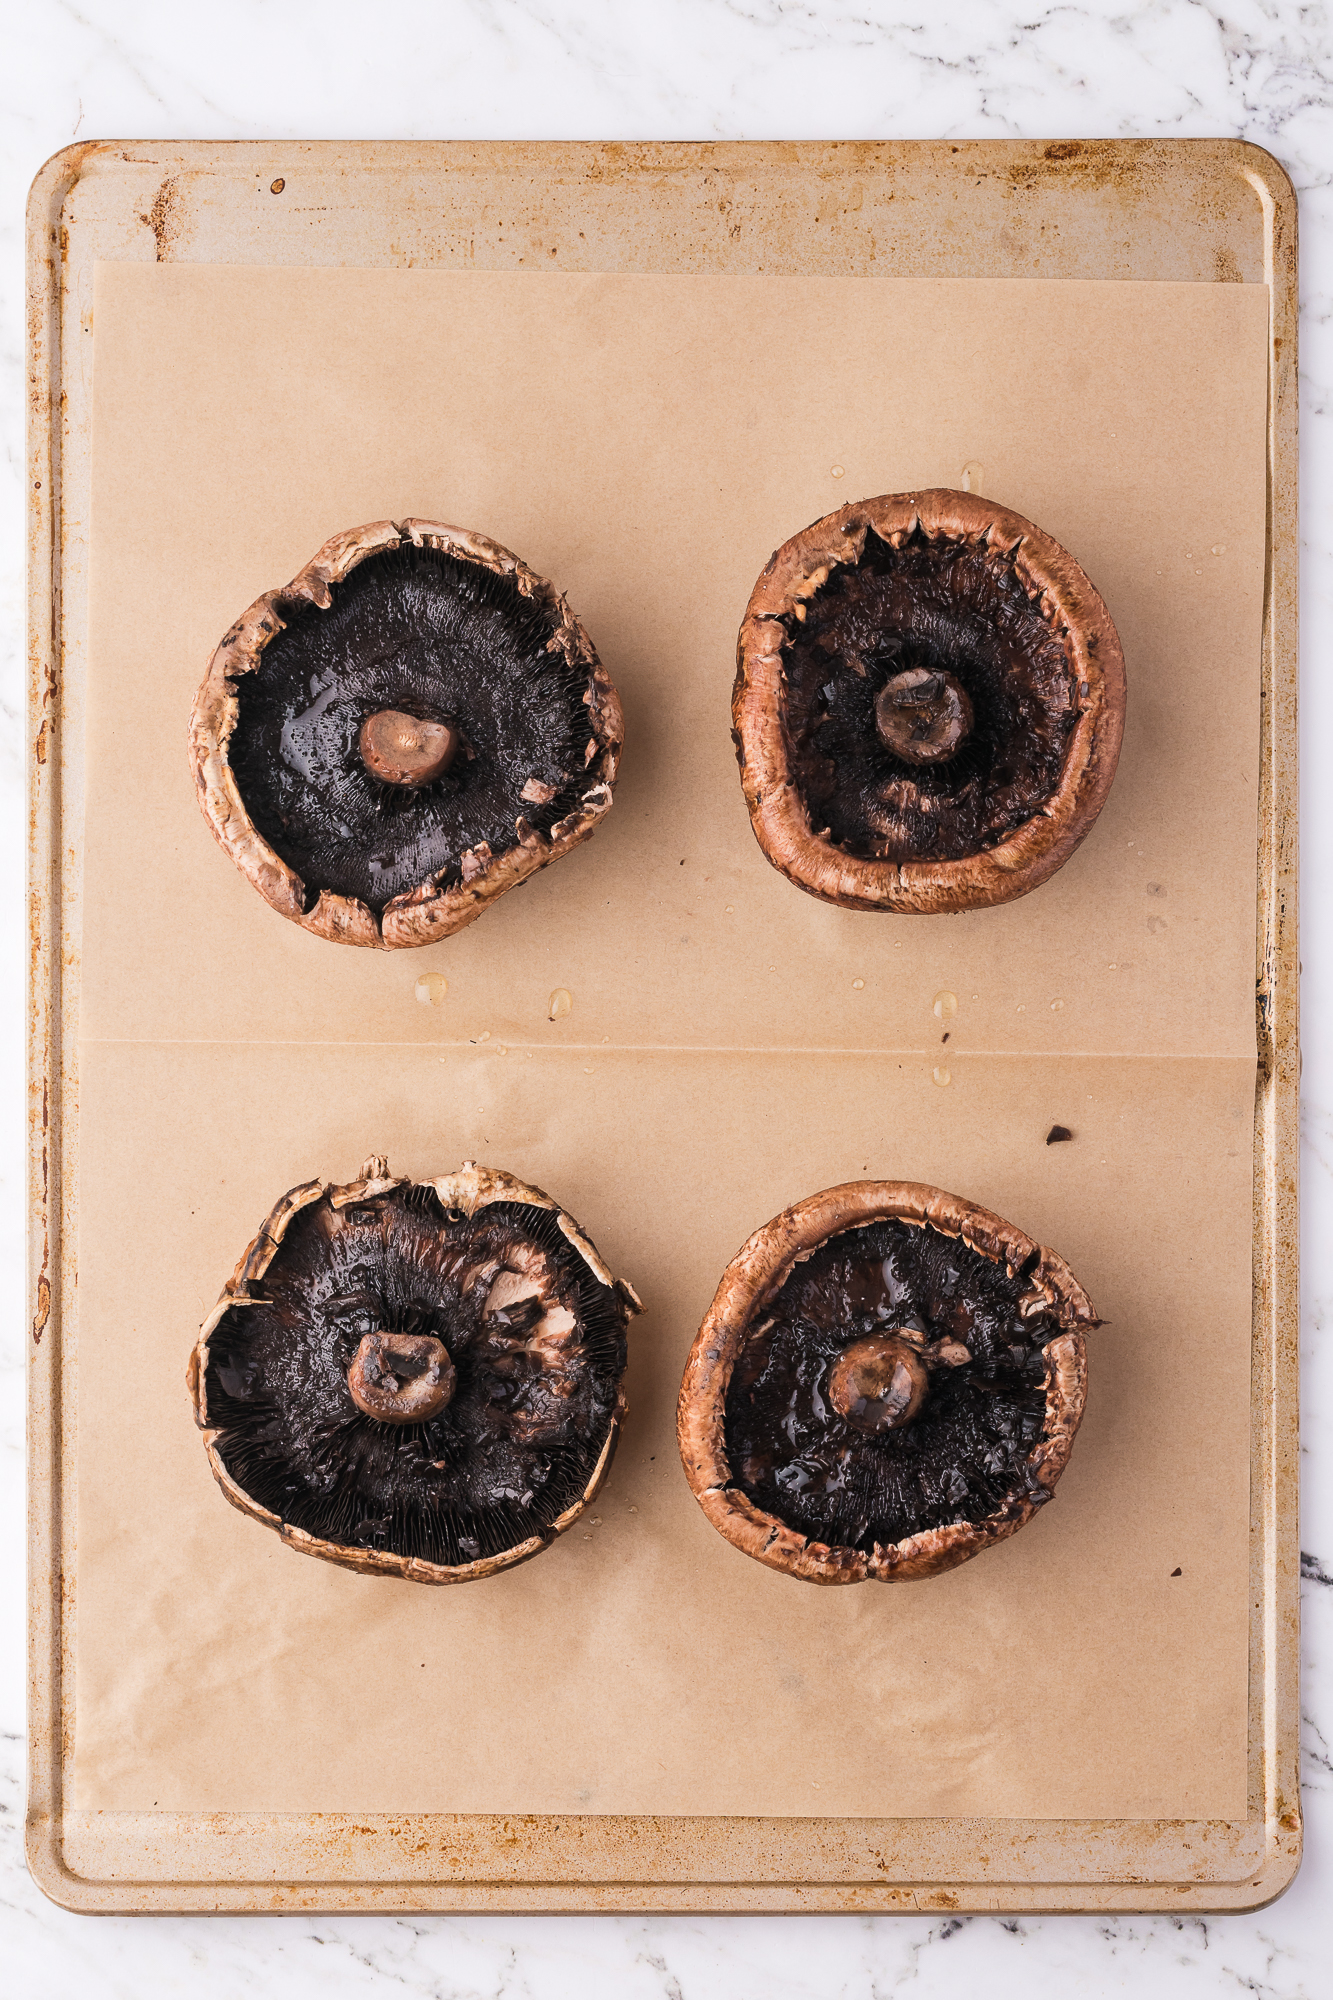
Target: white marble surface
x,y
1261,69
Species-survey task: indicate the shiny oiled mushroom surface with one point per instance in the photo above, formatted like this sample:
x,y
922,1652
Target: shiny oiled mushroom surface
x,y
929,704
325,754
496,1327
891,1385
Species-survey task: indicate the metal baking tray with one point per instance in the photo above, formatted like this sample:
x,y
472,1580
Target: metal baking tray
x,y
1200,211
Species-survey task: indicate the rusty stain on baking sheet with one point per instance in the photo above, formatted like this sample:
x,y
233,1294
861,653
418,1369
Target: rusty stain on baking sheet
x,y
1200,211
163,217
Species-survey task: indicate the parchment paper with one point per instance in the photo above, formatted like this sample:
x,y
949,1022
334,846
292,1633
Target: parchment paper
x,y
646,442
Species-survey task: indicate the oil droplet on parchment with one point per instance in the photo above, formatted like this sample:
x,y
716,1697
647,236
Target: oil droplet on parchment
x,y
561,1002
974,473
944,1004
431,988
836,471
485,1035
1057,1006
858,985
500,1049
941,1075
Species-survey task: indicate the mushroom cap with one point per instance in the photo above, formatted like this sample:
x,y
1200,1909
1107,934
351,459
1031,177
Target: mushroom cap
x,y
533,1325
449,893
1045,1291
1080,718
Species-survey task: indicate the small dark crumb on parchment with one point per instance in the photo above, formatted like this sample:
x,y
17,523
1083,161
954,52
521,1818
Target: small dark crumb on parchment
x,y
1057,1133
1176,1572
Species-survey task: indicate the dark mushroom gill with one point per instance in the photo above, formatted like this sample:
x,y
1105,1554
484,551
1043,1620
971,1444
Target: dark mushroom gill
x,y
418,631
967,1451
955,609
522,1432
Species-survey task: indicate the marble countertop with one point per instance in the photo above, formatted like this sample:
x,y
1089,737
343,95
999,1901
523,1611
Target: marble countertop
x,y
688,69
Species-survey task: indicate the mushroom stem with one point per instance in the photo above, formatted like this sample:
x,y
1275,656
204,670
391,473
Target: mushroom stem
x,y
879,1383
924,715
402,749
401,1378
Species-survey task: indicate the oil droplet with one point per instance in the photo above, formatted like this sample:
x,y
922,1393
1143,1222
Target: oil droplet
x,y
837,471
1020,1010
485,1035
431,988
561,1002
1057,1006
974,473
500,1049
857,985
1219,548
945,1004
1114,966
730,910
941,1075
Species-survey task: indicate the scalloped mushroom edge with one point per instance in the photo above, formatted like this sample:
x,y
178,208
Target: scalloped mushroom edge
x,y
430,911
753,1278
468,1189
1066,600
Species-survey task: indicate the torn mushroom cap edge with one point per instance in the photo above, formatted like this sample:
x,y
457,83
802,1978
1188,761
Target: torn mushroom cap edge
x,y
1067,601
753,1278
469,1189
430,911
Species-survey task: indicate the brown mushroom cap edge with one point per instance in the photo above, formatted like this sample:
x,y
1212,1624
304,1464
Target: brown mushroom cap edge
x,y
468,1190
1067,601
752,1279
430,911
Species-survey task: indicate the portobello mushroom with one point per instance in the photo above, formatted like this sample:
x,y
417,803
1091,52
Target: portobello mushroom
x,y
929,704
413,725
887,1382
415,1379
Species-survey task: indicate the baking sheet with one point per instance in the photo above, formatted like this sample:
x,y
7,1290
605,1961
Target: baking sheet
x,y
234,445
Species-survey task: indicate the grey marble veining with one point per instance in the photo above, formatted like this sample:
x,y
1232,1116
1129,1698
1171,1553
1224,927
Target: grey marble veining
x,y
1259,69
